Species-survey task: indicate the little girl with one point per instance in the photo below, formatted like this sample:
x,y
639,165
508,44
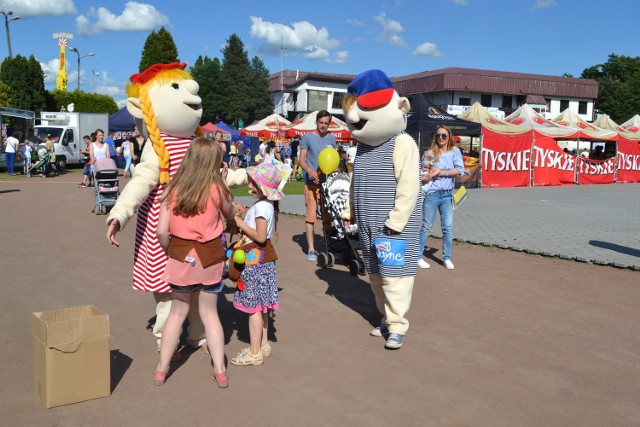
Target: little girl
x,y
259,274
189,230
427,163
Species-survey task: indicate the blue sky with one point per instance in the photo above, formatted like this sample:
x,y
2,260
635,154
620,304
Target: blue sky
x,y
398,36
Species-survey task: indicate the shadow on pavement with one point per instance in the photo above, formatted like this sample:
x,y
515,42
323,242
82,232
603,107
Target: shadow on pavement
x,y
353,292
120,364
616,248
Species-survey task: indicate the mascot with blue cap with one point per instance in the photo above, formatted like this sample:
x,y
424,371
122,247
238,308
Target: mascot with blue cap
x,y
385,197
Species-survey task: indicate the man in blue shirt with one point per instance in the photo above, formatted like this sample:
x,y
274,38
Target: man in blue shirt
x,y
311,145
112,150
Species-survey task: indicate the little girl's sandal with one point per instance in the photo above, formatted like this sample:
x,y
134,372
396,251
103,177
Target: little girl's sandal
x,y
245,358
266,350
221,379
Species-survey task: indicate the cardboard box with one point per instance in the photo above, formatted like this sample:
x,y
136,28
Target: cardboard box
x,y
71,355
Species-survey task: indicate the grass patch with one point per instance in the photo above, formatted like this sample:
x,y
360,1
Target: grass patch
x,y
292,188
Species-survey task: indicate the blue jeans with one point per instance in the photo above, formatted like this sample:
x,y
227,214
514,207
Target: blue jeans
x,y
11,160
438,201
127,165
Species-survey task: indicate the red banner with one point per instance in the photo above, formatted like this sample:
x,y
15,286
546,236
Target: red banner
x,y
505,159
595,171
551,165
628,160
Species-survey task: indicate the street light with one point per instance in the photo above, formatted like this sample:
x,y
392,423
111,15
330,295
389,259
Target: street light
x,y
7,18
94,74
73,49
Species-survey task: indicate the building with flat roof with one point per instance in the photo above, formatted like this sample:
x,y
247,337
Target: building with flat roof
x,y
296,93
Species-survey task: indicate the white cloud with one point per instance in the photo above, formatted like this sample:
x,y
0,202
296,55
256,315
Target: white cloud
x,y
459,2
50,70
390,30
135,17
341,57
29,8
301,38
427,49
355,22
543,4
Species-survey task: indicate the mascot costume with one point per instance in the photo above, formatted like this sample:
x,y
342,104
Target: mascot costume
x,y
165,103
385,197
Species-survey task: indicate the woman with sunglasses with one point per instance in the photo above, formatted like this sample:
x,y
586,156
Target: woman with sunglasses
x,y
447,165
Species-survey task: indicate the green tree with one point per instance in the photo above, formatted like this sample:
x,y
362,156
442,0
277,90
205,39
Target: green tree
x,y
236,81
618,84
82,101
206,72
25,80
159,48
262,104
5,98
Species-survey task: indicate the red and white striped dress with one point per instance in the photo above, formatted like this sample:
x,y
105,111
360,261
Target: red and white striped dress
x,y
149,258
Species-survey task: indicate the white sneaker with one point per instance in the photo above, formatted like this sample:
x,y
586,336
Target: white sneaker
x,y
448,264
423,264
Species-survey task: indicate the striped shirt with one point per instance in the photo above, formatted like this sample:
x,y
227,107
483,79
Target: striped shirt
x,y
149,258
374,192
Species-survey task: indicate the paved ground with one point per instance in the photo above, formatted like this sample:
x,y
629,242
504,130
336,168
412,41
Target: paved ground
x,y
591,223
505,339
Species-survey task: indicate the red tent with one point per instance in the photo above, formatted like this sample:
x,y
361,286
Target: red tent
x,y
211,128
271,127
306,124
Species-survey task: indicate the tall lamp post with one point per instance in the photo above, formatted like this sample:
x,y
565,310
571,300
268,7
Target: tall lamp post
x,y
73,49
7,18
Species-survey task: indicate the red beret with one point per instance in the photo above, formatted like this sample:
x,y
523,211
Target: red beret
x,y
149,73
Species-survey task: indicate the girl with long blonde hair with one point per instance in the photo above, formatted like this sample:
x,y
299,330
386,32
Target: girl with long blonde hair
x,y
447,164
189,230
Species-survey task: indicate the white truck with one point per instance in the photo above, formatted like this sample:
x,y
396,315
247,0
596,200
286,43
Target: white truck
x,y
66,130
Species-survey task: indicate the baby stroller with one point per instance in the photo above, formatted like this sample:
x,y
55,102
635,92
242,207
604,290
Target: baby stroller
x,y
44,164
340,235
106,185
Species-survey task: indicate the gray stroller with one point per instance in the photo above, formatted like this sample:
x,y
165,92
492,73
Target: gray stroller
x,y
107,185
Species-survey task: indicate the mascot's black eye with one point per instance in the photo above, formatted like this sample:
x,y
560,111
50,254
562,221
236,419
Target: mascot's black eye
x,y
175,86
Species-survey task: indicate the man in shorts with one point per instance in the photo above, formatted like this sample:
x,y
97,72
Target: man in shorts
x,y
311,145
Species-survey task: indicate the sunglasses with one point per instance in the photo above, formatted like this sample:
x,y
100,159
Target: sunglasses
x,y
442,135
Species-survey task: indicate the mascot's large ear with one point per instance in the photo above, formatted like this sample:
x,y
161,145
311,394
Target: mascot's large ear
x,y
134,108
404,105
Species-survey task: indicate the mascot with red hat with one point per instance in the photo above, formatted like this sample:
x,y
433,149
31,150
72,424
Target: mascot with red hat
x,y
165,103
385,197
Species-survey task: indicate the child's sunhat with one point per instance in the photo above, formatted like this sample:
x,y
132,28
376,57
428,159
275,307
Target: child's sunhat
x,y
267,176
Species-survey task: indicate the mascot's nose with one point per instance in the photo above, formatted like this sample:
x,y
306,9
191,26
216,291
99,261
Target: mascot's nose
x,y
192,86
352,116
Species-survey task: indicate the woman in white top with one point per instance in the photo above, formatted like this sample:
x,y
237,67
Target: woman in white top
x,y
128,156
99,149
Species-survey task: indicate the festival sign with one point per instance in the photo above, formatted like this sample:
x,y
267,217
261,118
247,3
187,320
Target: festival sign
x,y
595,171
551,165
628,161
506,159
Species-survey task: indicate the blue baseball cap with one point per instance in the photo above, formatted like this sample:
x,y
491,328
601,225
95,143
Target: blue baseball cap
x,y
372,88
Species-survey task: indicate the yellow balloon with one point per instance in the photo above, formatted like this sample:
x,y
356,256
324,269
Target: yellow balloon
x,y
328,160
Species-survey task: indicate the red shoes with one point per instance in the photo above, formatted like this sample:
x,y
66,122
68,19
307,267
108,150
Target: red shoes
x,y
220,379
159,377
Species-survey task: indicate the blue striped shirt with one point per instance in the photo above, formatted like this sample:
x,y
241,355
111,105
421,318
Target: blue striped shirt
x,y
448,161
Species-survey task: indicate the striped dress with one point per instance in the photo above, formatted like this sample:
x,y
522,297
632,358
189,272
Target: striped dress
x,y
149,258
374,191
